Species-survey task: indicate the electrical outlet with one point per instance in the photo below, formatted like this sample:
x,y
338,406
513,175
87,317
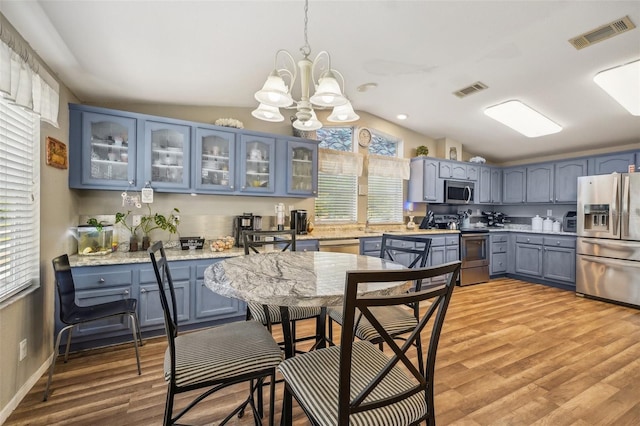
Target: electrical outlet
x,y
549,212
136,219
23,349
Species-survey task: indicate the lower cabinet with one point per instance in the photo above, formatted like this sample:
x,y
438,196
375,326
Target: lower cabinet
x,y
195,302
546,257
498,249
307,245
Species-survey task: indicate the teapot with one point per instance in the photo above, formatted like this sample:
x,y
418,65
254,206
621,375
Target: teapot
x,y
453,225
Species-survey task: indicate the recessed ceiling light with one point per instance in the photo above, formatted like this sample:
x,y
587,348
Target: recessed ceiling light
x,y
366,86
622,83
522,118
402,116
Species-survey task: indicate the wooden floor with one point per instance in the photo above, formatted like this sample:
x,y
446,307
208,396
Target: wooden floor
x,y
511,353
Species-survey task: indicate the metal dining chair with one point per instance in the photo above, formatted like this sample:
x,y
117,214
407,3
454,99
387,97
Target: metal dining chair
x,y
412,251
214,358
72,314
268,315
358,384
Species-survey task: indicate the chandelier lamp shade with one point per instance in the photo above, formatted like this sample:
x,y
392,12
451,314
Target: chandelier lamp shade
x,y
328,89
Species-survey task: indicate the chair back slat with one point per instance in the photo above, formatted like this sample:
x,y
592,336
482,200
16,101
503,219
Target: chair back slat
x,y
65,286
397,247
432,316
169,305
283,240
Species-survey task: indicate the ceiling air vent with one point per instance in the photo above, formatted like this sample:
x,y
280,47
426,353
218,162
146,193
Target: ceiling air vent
x,y
602,33
470,90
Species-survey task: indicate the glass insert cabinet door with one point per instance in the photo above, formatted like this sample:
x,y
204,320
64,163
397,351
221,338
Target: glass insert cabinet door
x,y
168,155
110,142
257,160
301,170
215,160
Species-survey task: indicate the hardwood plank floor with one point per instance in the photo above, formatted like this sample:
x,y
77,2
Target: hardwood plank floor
x,y
511,353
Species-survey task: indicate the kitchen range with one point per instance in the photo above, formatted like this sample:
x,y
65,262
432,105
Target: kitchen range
x,y
608,246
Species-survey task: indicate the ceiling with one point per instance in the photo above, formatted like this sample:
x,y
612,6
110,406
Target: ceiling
x,y
218,53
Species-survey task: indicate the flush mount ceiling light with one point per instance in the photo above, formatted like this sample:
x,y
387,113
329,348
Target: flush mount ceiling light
x,y
622,83
328,92
522,118
402,116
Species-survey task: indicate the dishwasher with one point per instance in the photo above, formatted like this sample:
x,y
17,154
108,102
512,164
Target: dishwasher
x,y
347,245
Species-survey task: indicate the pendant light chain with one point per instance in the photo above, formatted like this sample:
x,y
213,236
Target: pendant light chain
x,y
306,49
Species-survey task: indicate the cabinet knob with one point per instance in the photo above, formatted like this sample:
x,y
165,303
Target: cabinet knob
x,y
231,187
528,240
101,280
557,243
132,182
126,292
143,290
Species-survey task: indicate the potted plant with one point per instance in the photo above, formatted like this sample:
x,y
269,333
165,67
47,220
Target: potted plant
x,y
422,151
154,221
133,239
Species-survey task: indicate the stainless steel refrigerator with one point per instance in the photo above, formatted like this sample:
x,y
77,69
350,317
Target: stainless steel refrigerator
x,y
608,246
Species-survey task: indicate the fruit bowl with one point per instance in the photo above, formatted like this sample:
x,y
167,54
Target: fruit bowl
x,y
222,243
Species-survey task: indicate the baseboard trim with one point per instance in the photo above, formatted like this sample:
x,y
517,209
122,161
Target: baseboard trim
x,y
24,390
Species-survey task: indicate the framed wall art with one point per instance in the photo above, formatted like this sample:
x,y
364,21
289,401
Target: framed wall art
x,y
56,153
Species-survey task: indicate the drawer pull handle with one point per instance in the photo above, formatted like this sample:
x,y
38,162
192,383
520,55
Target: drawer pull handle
x,y
101,280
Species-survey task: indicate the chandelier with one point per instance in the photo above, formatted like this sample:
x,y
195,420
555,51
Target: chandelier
x,y
328,93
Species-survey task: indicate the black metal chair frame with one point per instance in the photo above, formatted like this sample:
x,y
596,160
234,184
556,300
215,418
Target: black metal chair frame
x,y
169,307
354,306
72,314
389,249
283,240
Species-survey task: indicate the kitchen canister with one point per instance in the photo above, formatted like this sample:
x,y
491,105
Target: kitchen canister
x,y
547,225
556,226
536,223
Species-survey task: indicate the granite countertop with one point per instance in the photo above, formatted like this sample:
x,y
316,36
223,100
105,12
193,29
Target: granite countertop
x,y
118,257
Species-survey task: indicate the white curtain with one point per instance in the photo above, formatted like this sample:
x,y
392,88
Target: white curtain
x,y
25,83
340,162
390,167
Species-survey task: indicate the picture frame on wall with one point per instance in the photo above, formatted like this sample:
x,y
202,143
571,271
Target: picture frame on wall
x,y
56,153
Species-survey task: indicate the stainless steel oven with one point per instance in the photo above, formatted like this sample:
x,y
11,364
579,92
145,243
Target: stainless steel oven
x,y
474,253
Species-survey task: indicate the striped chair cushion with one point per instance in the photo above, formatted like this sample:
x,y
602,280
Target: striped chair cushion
x,y
395,319
314,380
295,313
222,352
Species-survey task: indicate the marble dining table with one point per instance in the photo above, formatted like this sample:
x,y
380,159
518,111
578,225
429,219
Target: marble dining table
x,y
288,278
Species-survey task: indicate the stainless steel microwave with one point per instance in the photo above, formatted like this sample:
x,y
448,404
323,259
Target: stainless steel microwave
x,y
458,192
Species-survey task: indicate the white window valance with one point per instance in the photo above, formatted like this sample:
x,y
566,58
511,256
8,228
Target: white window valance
x,y
23,81
391,167
340,162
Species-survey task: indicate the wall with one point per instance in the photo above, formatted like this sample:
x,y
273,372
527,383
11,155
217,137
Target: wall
x,y
31,317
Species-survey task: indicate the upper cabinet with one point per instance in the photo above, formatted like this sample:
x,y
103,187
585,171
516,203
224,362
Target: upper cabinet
x,y
458,170
566,179
606,164
102,150
167,155
215,160
514,185
489,185
424,184
119,150
540,183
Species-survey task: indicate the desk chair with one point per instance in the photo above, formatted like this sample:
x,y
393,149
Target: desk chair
x,y
358,384
268,315
412,251
214,358
71,314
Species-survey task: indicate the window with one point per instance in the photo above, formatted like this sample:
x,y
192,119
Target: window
x,y
337,199
19,199
385,200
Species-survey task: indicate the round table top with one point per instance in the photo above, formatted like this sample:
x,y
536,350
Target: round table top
x,y
296,278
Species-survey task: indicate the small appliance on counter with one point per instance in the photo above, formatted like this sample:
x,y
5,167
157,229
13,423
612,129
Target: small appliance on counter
x,y
570,222
495,219
299,221
245,222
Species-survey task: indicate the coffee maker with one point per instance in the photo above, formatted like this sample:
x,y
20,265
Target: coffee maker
x,y
245,222
299,221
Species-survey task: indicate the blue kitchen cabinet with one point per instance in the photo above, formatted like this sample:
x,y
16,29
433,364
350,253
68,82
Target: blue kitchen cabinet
x,y
489,188
150,313
257,157
307,245
539,183
514,185
210,305
457,170
566,179
498,248
528,255
559,259
301,168
102,150
424,182
214,161
167,156
607,164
